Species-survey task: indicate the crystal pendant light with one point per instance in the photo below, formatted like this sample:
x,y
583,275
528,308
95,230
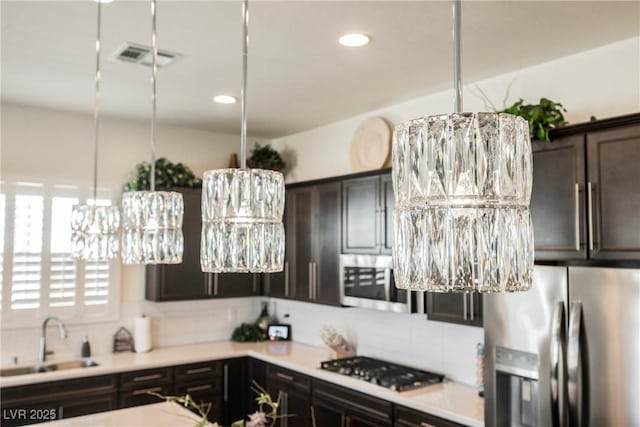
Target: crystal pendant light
x,y
152,220
242,208
94,229
462,184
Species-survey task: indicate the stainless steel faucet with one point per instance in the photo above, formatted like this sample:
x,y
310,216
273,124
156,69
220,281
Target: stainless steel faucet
x,y
43,338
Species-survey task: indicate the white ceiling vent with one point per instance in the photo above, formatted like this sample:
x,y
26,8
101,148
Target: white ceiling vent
x,y
140,54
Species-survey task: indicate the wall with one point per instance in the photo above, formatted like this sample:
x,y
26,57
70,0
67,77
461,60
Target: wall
x,y
602,82
404,338
54,146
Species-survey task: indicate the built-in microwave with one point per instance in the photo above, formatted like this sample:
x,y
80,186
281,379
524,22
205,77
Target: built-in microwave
x,y
367,281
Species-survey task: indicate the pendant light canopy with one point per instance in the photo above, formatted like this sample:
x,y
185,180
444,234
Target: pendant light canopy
x,y
462,184
152,220
94,229
242,209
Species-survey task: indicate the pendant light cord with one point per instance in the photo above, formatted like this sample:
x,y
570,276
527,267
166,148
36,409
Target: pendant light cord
x,y
154,72
457,75
96,108
243,89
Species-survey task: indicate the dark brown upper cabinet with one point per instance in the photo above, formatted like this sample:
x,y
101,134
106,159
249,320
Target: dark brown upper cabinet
x,y
367,215
455,307
311,270
586,192
186,281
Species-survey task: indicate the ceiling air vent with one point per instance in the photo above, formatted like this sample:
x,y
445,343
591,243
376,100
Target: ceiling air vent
x,y
140,54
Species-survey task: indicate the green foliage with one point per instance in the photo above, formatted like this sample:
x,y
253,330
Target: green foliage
x,y
168,175
265,157
248,332
541,117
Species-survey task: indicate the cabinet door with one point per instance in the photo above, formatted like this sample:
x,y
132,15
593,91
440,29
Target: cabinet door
x,y
299,221
326,234
256,374
88,405
360,204
294,403
388,201
613,171
277,284
229,285
363,420
234,387
326,413
462,308
184,281
557,199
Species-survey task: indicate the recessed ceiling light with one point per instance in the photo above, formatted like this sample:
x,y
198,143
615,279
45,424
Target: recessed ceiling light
x,y
224,99
354,40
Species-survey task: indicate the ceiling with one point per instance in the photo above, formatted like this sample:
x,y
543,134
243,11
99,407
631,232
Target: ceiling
x,y
299,76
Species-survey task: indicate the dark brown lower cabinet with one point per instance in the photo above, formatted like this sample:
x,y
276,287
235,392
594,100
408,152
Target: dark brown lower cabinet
x,y
293,389
406,417
135,387
333,405
203,382
234,386
36,403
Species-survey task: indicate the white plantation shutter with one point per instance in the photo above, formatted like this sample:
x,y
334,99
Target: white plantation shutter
x,y
27,252
38,276
62,278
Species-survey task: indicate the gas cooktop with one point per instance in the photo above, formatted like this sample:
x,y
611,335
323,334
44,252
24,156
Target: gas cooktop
x,y
385,374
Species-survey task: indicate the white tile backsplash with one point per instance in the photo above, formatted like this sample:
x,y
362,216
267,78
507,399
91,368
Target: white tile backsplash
x,y
404,338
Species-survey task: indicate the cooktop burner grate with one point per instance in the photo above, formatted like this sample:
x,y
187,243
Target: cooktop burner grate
x,y
386,374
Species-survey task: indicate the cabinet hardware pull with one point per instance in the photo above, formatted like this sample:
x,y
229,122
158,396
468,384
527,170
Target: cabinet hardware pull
x,y
471,306
198,370
464,307
226,383
310,280
423,424
216,284
147,378
60,413
577,216
146,391
590,203
286,279
315,280
255,283
284,376
198,388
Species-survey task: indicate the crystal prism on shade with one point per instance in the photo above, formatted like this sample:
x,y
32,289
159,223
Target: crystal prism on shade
x,y
152,227
242,228
462,184
94,232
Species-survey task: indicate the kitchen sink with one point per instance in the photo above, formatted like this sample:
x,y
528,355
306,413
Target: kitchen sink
x,y
49,367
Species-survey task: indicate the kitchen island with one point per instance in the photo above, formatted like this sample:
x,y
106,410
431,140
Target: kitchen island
x,y
450,400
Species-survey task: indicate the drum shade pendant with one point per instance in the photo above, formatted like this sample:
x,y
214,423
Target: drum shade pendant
x,y
94,229
463,184
242,209
152,220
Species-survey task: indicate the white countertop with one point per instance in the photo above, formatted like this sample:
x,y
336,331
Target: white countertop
x,y
158,415
456,402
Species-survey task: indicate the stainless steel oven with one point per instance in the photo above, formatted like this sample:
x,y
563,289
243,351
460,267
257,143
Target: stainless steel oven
x,y
367,281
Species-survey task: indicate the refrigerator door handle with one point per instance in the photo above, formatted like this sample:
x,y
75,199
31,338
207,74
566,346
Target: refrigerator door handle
x,y
557,342
577,377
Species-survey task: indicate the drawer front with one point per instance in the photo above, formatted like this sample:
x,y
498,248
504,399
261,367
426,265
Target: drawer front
x,y
141,395
204,392
198,370
353,401
406,417
49,391
286,376
146,378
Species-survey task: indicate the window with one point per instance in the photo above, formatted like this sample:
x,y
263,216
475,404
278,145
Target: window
x,y
38,276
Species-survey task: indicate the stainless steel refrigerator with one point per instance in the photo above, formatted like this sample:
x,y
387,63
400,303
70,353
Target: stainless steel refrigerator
x,y
565,353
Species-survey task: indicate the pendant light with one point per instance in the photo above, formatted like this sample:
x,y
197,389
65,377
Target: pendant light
x,y
242,208
94,229
152,220
462,184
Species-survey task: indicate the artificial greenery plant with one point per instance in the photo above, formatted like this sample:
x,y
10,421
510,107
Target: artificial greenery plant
x,y
265,157
542,117
168,175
